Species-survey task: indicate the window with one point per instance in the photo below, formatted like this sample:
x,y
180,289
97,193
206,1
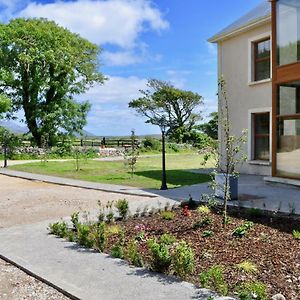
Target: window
x,y
288,31
262,59
261,136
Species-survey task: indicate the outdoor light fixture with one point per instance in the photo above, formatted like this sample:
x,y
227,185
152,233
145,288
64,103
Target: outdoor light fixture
x,y
163,124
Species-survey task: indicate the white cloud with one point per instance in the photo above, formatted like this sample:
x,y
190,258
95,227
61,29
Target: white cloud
x,y
116,22
178,77
110,113
121,58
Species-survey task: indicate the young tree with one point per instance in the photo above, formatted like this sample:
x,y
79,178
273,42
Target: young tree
x,y
42,67
8,142
230,155
131,154
161,99
211,127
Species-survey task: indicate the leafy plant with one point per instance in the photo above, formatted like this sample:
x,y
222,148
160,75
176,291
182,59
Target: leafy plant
x,y
240,231
83,235
117,250
167,215
109,217
112,230
131,154
207,233
160,255
252,291
247,267
133,254
296,234
99,236
203,210
59,229
167,239
122,206
213,278
183,259
75,219
254,212
101,214
205,222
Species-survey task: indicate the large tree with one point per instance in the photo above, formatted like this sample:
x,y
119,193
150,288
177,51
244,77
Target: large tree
x,y
211,127
5,105
42,67
163,101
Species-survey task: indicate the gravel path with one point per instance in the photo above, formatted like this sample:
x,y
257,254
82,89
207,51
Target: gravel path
x,y
17,285
27,202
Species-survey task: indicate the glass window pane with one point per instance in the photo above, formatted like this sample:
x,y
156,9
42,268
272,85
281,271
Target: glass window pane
x,y
288,148
262,70
289,99
263,49
262,123
288,31
262,148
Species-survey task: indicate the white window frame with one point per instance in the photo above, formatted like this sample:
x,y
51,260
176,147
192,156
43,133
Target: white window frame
x,y
251,66
251,113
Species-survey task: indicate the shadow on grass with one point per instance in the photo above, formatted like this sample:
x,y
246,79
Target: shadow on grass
x,y
176,177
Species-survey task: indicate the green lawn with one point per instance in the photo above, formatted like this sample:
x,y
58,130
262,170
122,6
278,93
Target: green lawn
x,y
147,175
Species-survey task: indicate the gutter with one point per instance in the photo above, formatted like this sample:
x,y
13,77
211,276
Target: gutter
x,y
229,34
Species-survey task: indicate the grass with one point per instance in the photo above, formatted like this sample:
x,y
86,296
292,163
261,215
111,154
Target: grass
x,y
147,174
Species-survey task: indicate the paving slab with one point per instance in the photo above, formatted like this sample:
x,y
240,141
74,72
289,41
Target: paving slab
x,y
86,274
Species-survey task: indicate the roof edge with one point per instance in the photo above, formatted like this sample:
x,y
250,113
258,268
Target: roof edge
x,y
251,25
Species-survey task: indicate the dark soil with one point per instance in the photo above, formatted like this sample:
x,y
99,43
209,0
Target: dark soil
x,y
269,244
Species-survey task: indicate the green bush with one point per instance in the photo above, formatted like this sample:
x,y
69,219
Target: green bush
x,y
150,143
207,233
247,267
133,254
252,290
117,250
83,235
183,259
167,215
203,223
243,229
75,219
122,206
213,278
160,252
172,147
203,210
296,234
59,229
99,236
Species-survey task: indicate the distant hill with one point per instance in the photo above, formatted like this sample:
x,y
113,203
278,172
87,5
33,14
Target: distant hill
x,y
14,127
18,129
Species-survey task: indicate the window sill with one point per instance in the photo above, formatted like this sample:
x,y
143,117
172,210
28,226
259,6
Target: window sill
x,y
259,162
260,82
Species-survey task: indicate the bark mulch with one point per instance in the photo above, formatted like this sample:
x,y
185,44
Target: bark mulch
x,y
269,244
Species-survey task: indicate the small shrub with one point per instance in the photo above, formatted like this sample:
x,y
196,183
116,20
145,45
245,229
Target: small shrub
x,y
112,230
167,215
205,222
160,255
183,259
109,217
207,233
167,239
83,235
117,250
296,234
101,214
71,236
243,229
59,229
133,254
252,290
99,236
203,210
75,219
122,206
214,279
140,236
247,267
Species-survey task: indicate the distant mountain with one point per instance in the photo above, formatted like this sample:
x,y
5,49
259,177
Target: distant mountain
x,y
18,129
14,127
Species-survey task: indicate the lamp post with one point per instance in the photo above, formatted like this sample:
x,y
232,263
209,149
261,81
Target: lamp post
x,y
163,128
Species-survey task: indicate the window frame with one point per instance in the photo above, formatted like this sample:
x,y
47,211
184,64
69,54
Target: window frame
x,y
260,135
262,59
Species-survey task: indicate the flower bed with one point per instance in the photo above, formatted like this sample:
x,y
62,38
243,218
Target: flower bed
x,y
253,257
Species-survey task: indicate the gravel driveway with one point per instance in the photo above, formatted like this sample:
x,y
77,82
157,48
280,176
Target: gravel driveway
x,y
27,202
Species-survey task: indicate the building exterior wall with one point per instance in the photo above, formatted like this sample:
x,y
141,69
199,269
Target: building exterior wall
x,y
244,96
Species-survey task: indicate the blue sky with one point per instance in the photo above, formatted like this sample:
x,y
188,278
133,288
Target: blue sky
x,y
141,39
